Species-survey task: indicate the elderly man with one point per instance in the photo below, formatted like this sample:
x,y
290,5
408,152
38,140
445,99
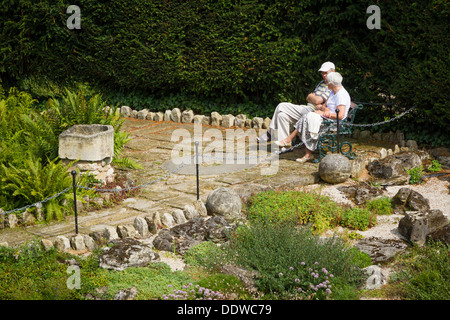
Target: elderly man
x,y
287,113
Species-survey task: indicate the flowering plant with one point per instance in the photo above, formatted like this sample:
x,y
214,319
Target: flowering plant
x,y
191,292
306,282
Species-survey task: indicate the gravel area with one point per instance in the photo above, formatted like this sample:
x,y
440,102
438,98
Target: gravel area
x,y
436,190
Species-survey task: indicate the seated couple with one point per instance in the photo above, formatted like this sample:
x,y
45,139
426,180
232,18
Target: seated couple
x,y
328,97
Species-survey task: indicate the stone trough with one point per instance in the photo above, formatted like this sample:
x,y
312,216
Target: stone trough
x,y
92,146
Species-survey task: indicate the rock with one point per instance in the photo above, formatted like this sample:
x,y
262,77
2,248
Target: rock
x,y
365,135
154,222
150,116
377,277
126,294
167,220
358,166
393,169
206,120
178,216
184,236
383,153
168,115
46,244
412,145
77,243
409,200
239,121
62,243
441,234
110,233
227,121
416,226
126,231
257,122
266,123
216,119
381,250
141,226
224,202
335,168
190,212
361,192
11,221
89,242
200,207
175,115
142,114
134,114
187,116
127,253
125,111
159,116
198,118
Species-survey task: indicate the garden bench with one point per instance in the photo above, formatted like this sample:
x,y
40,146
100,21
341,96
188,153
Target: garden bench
x,y
330,141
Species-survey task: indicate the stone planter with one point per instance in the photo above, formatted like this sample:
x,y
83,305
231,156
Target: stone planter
x,y
92,146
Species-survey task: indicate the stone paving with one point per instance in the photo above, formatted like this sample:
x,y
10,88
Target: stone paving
x,y
152,145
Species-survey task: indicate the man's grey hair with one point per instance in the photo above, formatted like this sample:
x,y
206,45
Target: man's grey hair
x,y
334,78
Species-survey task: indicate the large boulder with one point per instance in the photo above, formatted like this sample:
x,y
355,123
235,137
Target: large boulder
x,y
416,226
224,202
442,235
393,169
126,253
335,168
184,236
381,250
409,200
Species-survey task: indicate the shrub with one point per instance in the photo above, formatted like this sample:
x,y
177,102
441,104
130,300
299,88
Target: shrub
x,y
424,273
357,218
272,249
380,206
29,272
300,208
416,175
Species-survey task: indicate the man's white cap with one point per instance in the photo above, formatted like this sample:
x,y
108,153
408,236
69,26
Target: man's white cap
x,y
327,66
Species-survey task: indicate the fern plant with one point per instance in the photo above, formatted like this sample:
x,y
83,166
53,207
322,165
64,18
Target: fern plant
x,y
35,182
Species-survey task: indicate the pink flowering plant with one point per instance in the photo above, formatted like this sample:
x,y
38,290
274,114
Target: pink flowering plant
x,y
303,282
193,292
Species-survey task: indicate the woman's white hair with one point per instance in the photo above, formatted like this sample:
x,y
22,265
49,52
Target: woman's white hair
x,y
334,78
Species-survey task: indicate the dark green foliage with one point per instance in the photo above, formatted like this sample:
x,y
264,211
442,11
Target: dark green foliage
x,y
237,52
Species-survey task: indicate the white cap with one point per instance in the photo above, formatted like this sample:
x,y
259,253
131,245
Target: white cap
x,y
327,66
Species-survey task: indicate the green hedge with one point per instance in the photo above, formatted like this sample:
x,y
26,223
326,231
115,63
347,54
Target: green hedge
x,y
243,51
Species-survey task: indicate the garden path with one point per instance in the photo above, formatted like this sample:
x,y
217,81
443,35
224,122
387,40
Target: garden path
x,y
152,145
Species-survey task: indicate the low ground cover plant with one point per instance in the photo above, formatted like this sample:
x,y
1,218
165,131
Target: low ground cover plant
x,y
300,208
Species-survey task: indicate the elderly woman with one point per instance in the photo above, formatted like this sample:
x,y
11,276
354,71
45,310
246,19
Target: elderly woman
x,y
308,126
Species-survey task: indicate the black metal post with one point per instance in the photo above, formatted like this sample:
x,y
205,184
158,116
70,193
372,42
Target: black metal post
x,y
337,131
196,169
74,186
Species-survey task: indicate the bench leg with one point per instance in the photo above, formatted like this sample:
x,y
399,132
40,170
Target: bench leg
x,y
328,143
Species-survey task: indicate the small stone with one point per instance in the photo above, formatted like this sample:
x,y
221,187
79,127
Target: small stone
x,y
141,226
77,243
62,243
178,216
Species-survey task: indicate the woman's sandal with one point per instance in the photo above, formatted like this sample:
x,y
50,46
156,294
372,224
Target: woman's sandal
x,y
283,144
